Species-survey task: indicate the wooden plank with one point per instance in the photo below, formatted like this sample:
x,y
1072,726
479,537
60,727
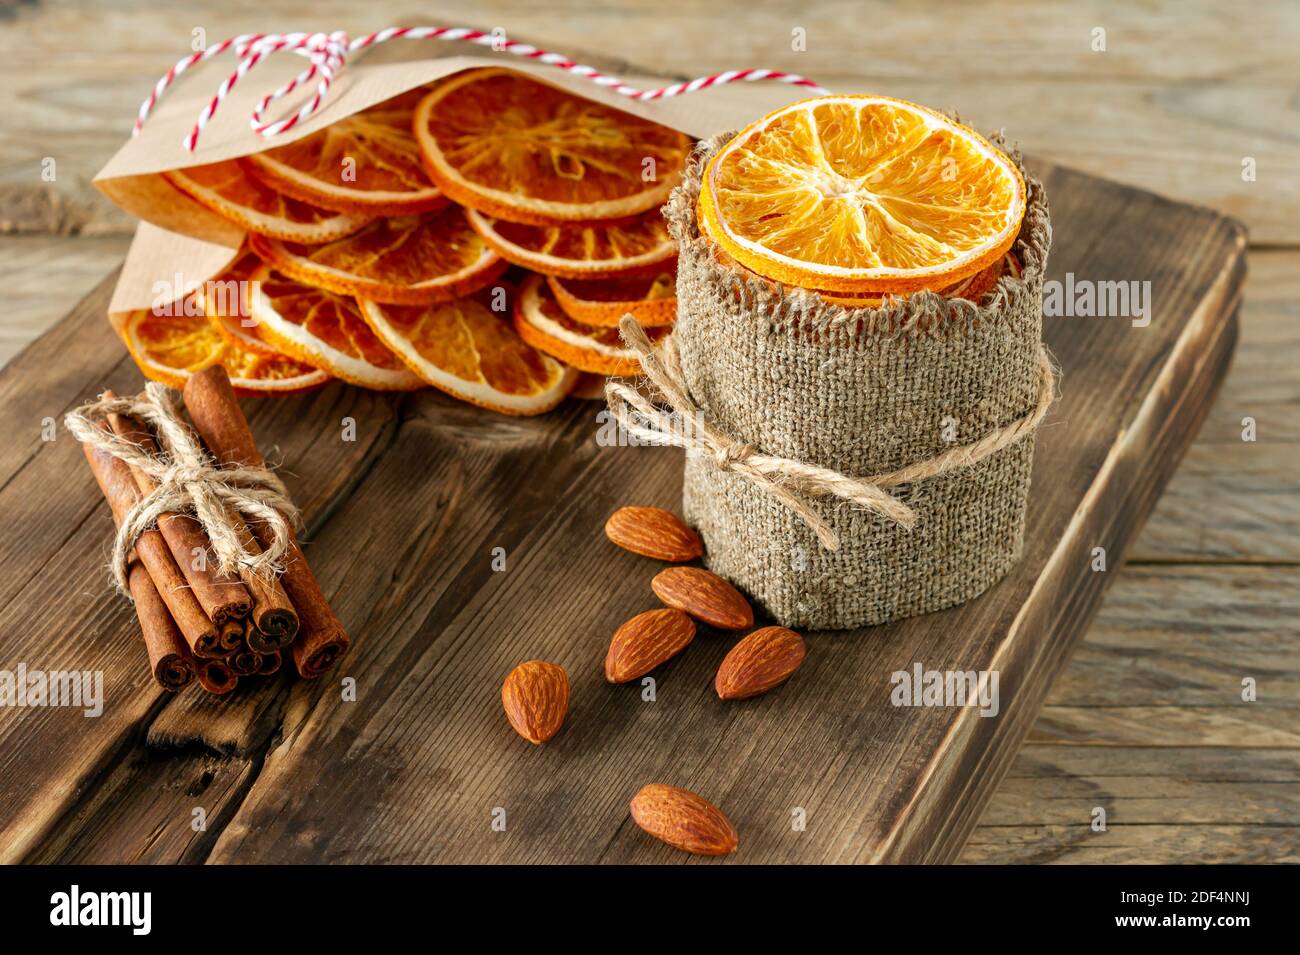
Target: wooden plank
x,y
1145,801
1148,722
1228,725
1058,761
1135,845
1186,636
1181,95
877,782
460,425
150,808
1236,500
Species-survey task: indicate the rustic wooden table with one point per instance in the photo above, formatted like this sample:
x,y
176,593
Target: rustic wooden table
x,y
1147,720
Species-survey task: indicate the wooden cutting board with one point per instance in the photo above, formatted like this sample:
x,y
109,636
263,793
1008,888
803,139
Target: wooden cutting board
x,y
404,523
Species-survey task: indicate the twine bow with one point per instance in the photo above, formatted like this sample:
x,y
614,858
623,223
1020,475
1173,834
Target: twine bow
x,y
188,481
679,422
328,53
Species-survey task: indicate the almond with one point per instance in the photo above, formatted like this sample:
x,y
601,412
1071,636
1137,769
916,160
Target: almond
x,y
536,698
646,641
653,532
705,596
762,660
684,820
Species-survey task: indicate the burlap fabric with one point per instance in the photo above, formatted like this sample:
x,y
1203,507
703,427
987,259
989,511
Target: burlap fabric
x,y
862,391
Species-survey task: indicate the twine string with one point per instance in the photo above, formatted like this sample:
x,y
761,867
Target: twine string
x,y
673,418
328,54
188,481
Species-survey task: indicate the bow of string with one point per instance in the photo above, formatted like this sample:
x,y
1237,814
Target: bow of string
x,y
189,481
673,418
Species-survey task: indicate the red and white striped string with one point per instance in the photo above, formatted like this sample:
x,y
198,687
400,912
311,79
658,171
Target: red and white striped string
x,y
327,54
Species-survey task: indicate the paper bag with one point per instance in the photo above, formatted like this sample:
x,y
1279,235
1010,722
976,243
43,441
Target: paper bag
x,y
189,239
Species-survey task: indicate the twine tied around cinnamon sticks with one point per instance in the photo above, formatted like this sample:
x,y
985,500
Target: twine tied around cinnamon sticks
x,y
679,422
188,481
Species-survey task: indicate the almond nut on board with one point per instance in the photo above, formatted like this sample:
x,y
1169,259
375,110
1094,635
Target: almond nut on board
x,y
762,660
536,698
684,820
653,532
646,641
705,596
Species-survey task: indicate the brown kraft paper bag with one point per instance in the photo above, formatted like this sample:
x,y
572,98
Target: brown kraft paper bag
x,y
180,239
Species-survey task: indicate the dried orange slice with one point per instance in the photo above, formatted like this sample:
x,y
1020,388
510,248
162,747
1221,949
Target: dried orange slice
x,y
973,287
255,373
543,324
229,191
522,150
861,194
650,298
325,330
366,164
403,261
579,251
472,353
171,347
226,305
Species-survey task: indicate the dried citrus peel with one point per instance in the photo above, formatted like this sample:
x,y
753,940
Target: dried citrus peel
x,y
468,351
227,189
519,149
580,251
543,324
171,347
861,194
366,164
325,330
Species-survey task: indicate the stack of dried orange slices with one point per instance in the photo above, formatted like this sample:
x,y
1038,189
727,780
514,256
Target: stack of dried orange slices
x,y
864,198
483,235
570,190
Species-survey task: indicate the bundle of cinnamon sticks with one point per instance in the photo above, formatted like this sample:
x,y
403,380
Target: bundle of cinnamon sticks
x,y
198,622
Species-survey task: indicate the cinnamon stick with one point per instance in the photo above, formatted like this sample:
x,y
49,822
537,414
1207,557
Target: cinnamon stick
x,y
260,642
216,415
231,635
115,481
270,663
169,659
216,677
221,596
272,611
244,661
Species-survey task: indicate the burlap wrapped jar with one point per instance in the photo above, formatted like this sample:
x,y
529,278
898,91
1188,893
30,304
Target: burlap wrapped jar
x,y
861,392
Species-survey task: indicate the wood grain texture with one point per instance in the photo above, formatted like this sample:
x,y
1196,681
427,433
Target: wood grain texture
x,y
44,277
1186,636
1136,845
150,807
1234,500
1148,722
